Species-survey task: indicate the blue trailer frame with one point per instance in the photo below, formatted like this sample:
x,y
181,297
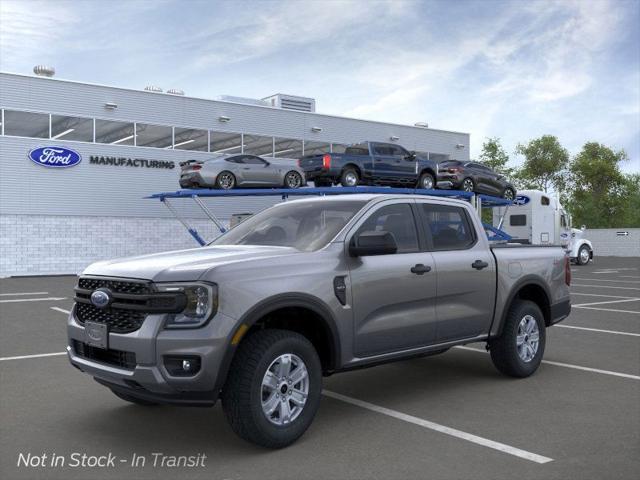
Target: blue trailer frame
x,y
478,200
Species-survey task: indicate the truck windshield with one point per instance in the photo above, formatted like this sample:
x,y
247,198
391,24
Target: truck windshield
x,y
305,226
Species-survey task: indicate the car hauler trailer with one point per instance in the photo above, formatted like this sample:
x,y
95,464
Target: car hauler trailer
x,y
479,201
536,218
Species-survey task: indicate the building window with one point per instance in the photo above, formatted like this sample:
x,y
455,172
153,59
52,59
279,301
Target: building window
x,y
191,139
115,133
71,128
26,124
226,143
156,136
258,145
287,148
316,148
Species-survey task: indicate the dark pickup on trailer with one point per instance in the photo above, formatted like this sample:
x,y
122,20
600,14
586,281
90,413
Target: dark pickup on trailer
x,y
371,163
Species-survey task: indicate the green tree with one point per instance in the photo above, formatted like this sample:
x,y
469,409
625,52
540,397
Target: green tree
x,y
600,195
494,156
544,165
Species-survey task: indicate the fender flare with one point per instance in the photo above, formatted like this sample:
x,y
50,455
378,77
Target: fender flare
x,y
271,304
521,283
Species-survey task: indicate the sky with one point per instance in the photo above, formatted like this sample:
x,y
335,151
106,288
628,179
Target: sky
x,y
514,69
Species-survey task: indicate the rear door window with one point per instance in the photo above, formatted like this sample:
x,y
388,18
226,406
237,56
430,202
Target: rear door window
x,y
517,220
449,227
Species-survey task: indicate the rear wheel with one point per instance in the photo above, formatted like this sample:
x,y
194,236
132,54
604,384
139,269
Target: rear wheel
x,y
137,401
293,179
584,255
349,178
426,181
273,394
518,351
468,185
225,180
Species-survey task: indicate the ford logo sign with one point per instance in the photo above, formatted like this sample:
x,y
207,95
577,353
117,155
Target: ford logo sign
x,y
101,298
55,157
521,200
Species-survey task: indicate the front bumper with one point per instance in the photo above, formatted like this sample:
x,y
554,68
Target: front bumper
x,y
451,179
148,377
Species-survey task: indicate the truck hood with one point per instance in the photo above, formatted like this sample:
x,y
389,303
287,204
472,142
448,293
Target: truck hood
x,y
183,265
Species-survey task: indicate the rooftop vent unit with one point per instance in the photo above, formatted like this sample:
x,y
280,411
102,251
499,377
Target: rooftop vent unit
x,y
243,100
175,91
44,71
291,102
153,88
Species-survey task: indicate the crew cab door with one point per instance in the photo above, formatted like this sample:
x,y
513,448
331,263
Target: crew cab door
x,y
393,306
465,268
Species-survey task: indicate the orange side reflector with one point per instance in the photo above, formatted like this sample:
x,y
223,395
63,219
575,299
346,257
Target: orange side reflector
x,y
239,334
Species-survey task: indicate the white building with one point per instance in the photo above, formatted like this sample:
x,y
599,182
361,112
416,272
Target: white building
x,y
57,220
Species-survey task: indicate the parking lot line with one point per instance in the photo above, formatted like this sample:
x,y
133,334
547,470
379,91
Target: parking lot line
x,y
615,332
598,295
629,276
22,293
603,280
39,355
604,286
61,310
632,299
568,365
50,299
607,309
533,457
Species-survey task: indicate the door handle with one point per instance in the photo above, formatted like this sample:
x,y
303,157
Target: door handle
x,y
420,269
246,168
479,264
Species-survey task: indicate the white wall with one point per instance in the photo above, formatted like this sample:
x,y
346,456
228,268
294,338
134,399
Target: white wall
x,y
606,242
52,244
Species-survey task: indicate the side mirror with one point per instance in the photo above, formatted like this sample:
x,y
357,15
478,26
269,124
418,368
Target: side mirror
x,y
373,243
411,156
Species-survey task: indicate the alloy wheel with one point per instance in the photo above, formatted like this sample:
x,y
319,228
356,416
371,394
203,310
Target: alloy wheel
x,y
584,255
226,181
293,180
427,182
528,338
285,388
467,185
351,179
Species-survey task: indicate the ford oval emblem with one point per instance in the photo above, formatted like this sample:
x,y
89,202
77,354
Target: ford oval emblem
x,y
55,157
101,298
95,334
521,200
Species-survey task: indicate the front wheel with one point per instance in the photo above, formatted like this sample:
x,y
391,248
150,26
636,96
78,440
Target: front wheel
x,y
293,179
518,351
426,181
584,255
273,391
468,185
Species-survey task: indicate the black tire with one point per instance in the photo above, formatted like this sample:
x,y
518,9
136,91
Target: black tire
x,y
426,179
468,185
221,182
579,260
137,401
242,393
504,349
509,194
298,177
347,175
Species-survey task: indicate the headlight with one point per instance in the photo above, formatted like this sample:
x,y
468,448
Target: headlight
x,y
201,303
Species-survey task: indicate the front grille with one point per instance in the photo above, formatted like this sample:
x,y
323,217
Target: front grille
x,y
116,358
134,287
119,320
131,302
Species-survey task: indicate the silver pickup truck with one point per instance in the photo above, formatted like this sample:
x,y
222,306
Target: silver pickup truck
x,y
309,288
